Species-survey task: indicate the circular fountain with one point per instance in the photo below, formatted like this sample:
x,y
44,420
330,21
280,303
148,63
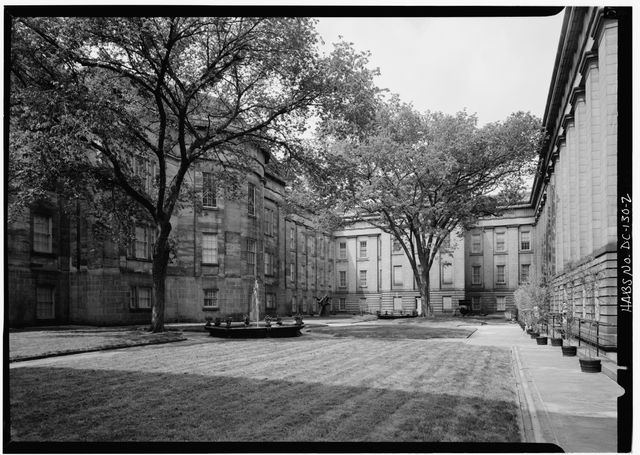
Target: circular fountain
x,y
247,330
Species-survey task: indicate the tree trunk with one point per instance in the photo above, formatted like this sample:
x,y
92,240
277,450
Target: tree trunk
x,y
160,262
424,292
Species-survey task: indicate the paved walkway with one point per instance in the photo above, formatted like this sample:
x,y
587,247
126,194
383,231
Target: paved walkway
x,y
561,405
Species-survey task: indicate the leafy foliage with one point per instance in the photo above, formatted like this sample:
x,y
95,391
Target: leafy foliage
x,y
119,111
422,175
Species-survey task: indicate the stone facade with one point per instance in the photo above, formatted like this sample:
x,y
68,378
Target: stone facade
x,y
575,194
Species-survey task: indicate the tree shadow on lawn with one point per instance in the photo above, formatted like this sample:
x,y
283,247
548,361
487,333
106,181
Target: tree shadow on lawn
x,y
64,404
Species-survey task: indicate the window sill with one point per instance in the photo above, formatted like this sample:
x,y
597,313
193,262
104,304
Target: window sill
x,y
500,252
363,259
139,310
475,254
525,251
210,207
139,259
210,308
43,254
210,264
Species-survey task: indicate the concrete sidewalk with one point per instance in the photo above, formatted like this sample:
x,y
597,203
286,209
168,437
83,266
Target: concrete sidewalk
x,y
562,405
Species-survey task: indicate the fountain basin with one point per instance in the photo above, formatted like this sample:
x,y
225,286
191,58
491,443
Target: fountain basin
x,y
277,331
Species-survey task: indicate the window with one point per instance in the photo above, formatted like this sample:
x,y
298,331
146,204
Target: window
x,y
476,243
396,247
363,249
322,246
140,297
475,303
251,252
251,201
446,303
343,250
210,298
500,274
363,278
447,274
397,275
303,273
45,308
320,275
500,245
292,267
525,240
269,228
476,275
342,278
524,273
210,248
270,302
303,243
342,304
146,171
501,303
42,237
208,190
294,305
268,263
142,246
292,237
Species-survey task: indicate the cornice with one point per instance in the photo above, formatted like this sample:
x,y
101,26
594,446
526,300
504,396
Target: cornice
x,y
576,92
588,59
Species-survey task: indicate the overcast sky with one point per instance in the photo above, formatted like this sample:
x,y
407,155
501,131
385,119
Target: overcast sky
x,y
490,66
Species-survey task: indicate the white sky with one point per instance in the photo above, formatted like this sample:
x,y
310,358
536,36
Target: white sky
x,y
490,66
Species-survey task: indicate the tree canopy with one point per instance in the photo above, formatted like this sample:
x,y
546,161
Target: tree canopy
x,y
421,175
118,110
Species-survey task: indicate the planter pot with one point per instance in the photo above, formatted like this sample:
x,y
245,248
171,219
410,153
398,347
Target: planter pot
x,y
556,341
541,340
529,331
534,335
590,365
569,351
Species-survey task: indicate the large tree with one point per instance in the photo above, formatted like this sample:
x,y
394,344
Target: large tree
x,y
419,176
94,99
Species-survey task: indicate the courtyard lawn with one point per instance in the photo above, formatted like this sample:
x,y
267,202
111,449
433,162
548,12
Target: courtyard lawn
x,y
396,331
304,389
26,344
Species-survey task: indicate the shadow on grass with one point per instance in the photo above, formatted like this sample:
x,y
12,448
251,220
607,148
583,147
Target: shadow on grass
x,y
394,332
63,404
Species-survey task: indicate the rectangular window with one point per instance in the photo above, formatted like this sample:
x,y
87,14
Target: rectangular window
x,y
208,190
303,273
140,297
396,247
447,273
268,222
363,278
294,305
525,240
476,275
251,199
303,243
342,278
501,303
292,267
500,245
322,247
292,238
476,243
320,275
45,308
343,250
500,279
146,171
210,298
42,237
270,302
210,248
251,252
342,305
524,273
142,247
397,275
475,303
268,263
363,249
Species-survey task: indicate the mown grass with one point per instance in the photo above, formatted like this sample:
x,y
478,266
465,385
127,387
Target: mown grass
x,y
65,404
403,331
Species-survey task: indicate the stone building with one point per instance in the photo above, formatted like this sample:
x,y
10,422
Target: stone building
x,y
574,196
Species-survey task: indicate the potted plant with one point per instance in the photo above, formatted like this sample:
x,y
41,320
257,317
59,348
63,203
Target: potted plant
x,y
228,322
208,319
217,322
555,341
567,321
589,364
267,321
298,319
247,321
278,320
